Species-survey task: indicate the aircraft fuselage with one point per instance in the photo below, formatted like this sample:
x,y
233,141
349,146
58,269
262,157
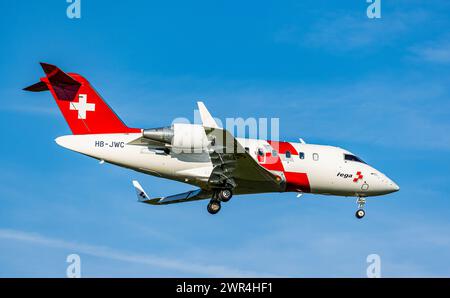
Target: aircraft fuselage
x,y
307,168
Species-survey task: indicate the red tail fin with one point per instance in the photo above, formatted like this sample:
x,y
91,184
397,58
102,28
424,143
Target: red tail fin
x,y
82,107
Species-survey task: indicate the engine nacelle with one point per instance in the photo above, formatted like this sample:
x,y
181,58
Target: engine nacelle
x,y
183,137
189,138
161,134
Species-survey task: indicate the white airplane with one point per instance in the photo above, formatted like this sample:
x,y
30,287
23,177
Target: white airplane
x,y
206,155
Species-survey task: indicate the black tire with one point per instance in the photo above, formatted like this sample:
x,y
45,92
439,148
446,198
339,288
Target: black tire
x,y
225,195
360,213
213,207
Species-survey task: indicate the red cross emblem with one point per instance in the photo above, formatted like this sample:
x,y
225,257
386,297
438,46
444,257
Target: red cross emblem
x,y
358,177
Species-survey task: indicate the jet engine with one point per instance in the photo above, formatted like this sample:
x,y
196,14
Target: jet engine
x,y
182,137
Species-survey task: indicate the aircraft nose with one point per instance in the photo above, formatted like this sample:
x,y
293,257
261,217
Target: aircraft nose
x,y
395,187
392,186
384,184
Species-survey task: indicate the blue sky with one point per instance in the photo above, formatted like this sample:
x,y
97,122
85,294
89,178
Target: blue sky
x,y
379,88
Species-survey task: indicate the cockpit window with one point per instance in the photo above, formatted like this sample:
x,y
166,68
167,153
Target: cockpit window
x,y
353,158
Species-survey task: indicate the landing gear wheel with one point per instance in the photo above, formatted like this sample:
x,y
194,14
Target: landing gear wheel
x,y
361,201
360,213
213,207
225,195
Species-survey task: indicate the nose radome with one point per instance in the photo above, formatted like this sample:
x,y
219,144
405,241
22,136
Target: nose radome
x,y
382,184
396,187
393,187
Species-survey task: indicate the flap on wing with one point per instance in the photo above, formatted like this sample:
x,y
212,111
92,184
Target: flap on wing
x,y
182,197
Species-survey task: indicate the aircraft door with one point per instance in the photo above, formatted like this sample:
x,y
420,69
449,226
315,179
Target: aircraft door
x,y
261,155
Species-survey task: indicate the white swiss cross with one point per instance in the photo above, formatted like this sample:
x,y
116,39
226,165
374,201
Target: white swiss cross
x,y
82,106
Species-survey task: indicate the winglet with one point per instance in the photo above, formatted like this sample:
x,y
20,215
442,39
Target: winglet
x,y
140,192
207,119
142,196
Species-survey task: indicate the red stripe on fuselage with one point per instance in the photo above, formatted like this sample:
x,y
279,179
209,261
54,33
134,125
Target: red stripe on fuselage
x,y
294,181
297,181
282,147
270,162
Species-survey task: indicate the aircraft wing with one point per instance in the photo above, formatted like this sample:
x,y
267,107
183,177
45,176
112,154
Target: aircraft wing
x,y
234,166
193,195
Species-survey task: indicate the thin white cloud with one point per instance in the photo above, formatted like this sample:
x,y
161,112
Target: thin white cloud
x,y
32,109
19,101
343,31
435,52
112,254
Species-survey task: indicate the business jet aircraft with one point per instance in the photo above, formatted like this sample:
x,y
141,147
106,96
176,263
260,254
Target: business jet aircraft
x,y
206,155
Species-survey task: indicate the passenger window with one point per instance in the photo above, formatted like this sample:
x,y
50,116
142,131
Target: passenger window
x,y
288,154
274,153
260,152
301,155
316,156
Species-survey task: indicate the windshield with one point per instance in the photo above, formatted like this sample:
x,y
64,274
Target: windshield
x,y
353,158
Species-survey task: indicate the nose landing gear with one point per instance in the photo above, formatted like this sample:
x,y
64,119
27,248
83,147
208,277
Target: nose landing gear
x,y
360,213
361,203
223,195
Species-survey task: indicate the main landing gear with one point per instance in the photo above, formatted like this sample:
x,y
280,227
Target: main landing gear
x,y
213,206
361,203
223,195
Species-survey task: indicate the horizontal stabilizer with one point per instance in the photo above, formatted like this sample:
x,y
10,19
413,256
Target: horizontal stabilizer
x,y
38,87
65,87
